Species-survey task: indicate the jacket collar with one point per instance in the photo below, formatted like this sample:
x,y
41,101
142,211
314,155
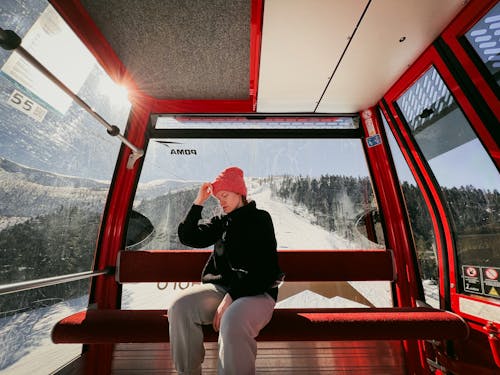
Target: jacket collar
x,y
250,206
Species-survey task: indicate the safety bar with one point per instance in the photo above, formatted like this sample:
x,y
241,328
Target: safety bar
x,y
40,283
9,40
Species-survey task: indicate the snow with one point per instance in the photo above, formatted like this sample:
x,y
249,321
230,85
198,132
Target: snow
x,y
292,225
6,221
26,344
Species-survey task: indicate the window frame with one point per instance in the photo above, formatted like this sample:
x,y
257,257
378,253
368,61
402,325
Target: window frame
x,y
440,214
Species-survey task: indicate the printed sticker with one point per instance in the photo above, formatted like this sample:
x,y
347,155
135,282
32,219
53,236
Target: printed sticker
x,y
374,140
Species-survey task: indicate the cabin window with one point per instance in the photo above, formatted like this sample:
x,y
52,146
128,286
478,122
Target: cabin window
x,y
420,221
318,191
469,180
217,122
484,39
56,164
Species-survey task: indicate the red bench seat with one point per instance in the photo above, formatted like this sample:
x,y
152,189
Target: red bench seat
x,y
329,324
138,326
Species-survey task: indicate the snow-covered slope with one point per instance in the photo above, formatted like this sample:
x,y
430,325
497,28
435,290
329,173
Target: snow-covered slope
x,y
293,231
292,225
26,344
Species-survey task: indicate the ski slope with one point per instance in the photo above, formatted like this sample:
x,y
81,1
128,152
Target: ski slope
x,y
294,230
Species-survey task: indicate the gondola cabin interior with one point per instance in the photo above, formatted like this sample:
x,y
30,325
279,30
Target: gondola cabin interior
x,y
368,129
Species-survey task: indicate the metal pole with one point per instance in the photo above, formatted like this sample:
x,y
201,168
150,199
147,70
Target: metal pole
x,y
10,41
40,283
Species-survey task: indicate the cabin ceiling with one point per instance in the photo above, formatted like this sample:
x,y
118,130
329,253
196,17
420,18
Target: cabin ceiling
x,y
337,56
180,49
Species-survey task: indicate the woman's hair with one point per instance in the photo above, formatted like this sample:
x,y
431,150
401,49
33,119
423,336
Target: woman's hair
x,y
244,199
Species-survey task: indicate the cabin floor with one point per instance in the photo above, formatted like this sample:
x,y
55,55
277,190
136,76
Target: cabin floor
x,y
304,358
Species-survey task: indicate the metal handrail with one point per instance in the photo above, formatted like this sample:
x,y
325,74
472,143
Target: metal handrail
x,y
40,283
9,40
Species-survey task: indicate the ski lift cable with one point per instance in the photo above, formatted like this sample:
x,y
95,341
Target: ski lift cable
x,y
9,40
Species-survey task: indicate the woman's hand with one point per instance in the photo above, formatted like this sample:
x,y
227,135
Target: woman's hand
x,y
203,193
226,301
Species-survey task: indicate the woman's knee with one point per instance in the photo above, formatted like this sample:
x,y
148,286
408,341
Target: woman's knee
x,y
180,307
231,326
197,303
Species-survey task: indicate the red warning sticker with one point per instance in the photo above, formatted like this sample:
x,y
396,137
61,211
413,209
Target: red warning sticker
x,y
491,282
471,271
472,280
491,273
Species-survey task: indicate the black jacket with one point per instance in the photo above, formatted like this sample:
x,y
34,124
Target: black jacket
x,y
244,258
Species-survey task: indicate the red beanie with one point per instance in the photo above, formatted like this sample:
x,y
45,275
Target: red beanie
x,y
230,179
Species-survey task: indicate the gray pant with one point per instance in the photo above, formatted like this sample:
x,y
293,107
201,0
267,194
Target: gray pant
x,y
240,324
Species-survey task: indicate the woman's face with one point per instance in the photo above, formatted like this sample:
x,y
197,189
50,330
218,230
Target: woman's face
x,y
229,201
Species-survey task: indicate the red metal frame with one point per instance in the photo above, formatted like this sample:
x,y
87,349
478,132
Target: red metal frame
x,y
406,154
446,250
471,14
202,106
431,58
255,45
106,291
398,237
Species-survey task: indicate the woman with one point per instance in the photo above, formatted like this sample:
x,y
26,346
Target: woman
x,y
239,288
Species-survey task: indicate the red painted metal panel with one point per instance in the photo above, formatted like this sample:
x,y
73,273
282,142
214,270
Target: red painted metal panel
x,y
412,75
389,196
202,106
420,183
106,292
112,238
298,265
255,44
398,235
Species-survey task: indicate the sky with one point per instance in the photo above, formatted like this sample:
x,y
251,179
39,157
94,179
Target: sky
x,y
467,164
257,158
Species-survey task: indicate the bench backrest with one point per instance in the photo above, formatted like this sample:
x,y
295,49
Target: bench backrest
x,y
298,265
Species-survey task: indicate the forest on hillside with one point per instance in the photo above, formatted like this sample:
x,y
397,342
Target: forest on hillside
x,y
474,211
335,201
58,243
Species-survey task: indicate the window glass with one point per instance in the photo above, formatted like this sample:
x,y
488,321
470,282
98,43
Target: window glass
x,y
56,163
469,180
484,37
214,122
26,323
318,192
420,221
